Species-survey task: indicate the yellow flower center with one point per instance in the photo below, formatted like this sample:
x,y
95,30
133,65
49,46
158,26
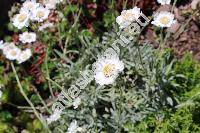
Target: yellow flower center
x,y
127,16
28,36
24,56
164,20
108,69
30,5
22,17
40,14
13,53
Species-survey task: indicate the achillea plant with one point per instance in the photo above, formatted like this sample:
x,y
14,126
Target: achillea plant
x,y
144,87
130,86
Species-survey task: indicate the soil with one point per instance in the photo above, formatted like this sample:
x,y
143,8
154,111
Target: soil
x,y
188,41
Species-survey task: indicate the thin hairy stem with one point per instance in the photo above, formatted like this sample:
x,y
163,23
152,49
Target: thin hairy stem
x,y
25,96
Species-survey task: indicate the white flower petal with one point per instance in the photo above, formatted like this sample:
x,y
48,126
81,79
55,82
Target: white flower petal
x,y
77,102
40,14
24,56
74,128
128,16
106,70
2,44
163,19
27,37
51,4
11,52
45,25
54,117
21,20
164,2
30,5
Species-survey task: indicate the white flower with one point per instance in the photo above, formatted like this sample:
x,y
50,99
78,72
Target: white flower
x,y
164,2
163,19
27,37
45,25
22,19
73,127
77,102
40,14
54,117
30,5
128,16
24,55
106,69
7,46
51,4
11,52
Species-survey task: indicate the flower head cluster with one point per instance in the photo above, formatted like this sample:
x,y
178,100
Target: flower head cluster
x,y
163,19
106,69
12,52
128,16
30,11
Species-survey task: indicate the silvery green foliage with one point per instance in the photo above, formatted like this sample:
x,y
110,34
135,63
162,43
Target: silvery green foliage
x,y
145,86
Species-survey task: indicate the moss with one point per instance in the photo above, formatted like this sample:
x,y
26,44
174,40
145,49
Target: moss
x,y
181,121
6,128
184,120
191,70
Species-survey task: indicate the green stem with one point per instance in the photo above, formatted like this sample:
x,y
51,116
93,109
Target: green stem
x,y
42,101
67,38
162,39
124,4
60,87
174,5
25,96
138,47
168,33
47,73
